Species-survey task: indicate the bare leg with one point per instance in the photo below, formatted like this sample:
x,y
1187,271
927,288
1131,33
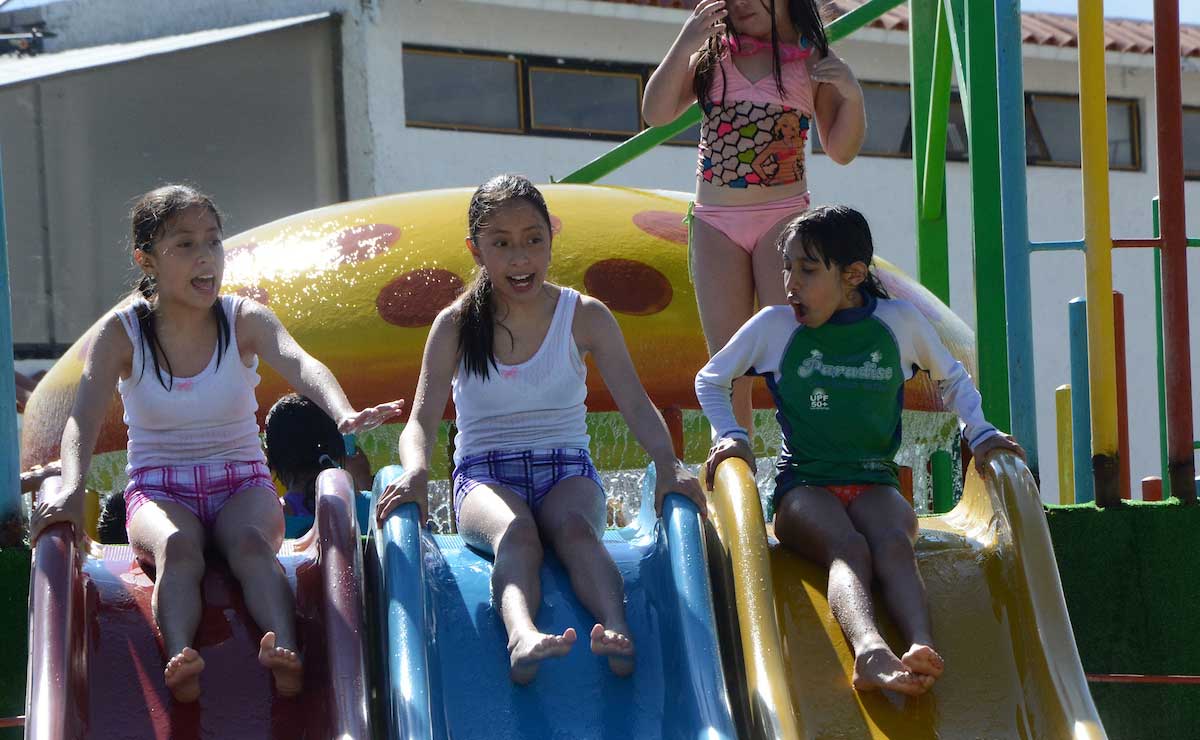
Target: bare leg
x,y
890,526
768,266
813,522
169,537
572,519
497,521
248,532
725,296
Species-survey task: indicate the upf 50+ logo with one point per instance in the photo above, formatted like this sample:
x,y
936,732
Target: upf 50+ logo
x,y
818,400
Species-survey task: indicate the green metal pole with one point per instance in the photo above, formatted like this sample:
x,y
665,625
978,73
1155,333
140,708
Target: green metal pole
x,y
631,149
1160,386
934,188
943,481
929,70
976,53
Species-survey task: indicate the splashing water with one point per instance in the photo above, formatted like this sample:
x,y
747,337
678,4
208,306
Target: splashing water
x,y
622,461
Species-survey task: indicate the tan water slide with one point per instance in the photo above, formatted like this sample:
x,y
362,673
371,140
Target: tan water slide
x,y
1012,667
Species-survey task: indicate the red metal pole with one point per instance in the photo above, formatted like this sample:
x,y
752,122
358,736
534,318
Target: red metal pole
x,y
1152,488
1169,109
1123,475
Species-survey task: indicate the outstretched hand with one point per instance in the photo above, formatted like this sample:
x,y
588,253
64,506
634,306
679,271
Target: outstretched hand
x,y
725,448
678,479
31,479
996,442
367,419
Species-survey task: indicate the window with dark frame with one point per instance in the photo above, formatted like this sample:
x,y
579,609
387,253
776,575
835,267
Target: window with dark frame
x,y
1052,131
566,99
509,93
448,89
1191,143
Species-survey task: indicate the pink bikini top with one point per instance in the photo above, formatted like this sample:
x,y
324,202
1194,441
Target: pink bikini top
x,y
732,86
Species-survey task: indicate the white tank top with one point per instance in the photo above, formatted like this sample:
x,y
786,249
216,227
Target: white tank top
x,y
538,404
209,417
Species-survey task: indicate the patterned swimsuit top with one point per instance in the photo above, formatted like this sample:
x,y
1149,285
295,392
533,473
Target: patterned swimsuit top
x,y
749,137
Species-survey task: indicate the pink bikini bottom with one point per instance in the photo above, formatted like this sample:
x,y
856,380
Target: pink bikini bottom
x,y
745,225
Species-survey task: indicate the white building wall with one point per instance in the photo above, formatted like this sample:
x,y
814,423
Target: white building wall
x,y
384,156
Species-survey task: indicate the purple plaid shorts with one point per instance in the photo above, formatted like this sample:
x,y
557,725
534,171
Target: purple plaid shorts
x,y
528,473
202,489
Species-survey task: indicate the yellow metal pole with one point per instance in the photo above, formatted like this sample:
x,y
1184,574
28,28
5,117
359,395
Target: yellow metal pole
x,y
1066,447
1097,234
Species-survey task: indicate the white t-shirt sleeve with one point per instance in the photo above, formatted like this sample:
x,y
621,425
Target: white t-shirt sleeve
x,y
955,385
756,348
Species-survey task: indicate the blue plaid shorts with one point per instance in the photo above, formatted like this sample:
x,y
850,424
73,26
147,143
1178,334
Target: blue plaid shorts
x,y
528,473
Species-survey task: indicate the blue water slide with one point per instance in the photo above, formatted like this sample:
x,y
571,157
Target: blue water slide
x,y
442,665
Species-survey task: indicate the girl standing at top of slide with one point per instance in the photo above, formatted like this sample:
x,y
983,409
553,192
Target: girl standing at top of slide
x,y
761,71
185,361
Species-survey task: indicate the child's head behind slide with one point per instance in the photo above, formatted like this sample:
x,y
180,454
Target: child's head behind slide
x,y
301,441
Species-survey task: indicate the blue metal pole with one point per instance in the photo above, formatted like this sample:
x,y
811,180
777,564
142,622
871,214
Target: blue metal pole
x,y
10,473
1081,413
1015,228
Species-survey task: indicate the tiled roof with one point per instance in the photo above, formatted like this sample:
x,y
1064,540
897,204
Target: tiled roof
x,y
1042,29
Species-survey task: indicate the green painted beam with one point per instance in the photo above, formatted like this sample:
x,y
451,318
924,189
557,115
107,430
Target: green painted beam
x,y
1160,356
933,241
973,39
632,148
934,188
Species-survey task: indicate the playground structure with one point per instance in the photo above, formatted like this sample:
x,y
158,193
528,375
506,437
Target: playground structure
x,y
982,41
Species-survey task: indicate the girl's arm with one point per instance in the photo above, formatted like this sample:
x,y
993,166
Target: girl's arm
x,y
841,116
429,404
958,391
750,349
669,91
260,332
596,331
110,353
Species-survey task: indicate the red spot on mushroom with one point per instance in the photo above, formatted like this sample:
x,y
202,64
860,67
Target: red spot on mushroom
x,y
628,286
360,243
667,225
254,293
415,298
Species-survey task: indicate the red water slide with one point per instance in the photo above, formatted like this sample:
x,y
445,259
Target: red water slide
x,y
96,663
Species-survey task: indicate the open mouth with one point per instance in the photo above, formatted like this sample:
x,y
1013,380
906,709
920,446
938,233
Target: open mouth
x,y
800,310
521,282
204,283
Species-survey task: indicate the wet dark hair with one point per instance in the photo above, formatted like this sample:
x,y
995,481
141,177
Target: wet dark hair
x,y
301,439
806,21
110,527
149,218
476,315
835,235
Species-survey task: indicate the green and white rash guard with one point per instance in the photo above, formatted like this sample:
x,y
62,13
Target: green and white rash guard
x,y
839,388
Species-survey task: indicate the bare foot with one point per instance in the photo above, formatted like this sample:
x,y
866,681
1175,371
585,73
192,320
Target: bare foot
x,y
182,675
284,665
924,661
528,649
881,669
616,645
